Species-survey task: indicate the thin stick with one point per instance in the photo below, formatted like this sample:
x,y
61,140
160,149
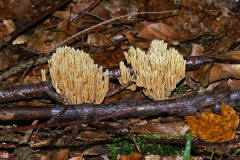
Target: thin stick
x,y
92,6
108,21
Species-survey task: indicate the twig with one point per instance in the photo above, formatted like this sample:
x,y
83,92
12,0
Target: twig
x,y
25,91
23,66
28,134
93,5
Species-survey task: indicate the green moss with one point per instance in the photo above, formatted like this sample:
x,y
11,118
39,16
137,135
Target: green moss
x,y
179,90
121,146
124,146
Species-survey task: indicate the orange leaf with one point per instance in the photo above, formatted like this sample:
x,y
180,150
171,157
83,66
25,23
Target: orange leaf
x,y
132,156
214,128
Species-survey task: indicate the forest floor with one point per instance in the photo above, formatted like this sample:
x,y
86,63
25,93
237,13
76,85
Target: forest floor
x,y
198,117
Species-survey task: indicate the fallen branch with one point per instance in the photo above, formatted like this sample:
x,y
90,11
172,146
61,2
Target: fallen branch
x,y
187,105
21,92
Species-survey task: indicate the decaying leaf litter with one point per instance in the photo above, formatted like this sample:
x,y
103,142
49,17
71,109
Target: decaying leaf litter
x,y
109,33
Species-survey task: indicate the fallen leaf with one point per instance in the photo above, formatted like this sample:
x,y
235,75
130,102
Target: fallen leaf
x,y
153,157
98,39
221,71
21,39
233,84
201,75
77,158
58,155
9,26
197,50
96,150
214,128
163,31
231,57
67,27
16,9
4,155
132,156
164,129
159,6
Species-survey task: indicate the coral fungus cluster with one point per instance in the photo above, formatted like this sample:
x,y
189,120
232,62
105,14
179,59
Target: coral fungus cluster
x,y
157,71
75,76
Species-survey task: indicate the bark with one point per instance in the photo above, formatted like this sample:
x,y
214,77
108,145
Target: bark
x,y
25,91
187,105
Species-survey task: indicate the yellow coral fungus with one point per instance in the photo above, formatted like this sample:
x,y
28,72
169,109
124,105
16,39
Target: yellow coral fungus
x,y
157,71
126,77
75,76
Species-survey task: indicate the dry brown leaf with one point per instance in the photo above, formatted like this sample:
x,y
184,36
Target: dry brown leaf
x,y
152,157
45,40
9,26
109,57
231,57
132,156
66,26
221,71
119,8
158,6
233,84
65,15
218,84
96,150
98,39
16,9
77,158
164,129
214,128
197,50
100,10
162,31
21,39
60,155
4,155
201,75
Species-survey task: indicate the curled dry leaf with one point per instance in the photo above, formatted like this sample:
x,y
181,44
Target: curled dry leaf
x,y
21,39
221,71
214,128
162,31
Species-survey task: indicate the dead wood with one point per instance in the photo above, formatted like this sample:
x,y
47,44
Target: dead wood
x,y
187,105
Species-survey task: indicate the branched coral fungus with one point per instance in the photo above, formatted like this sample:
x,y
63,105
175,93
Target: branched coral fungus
x,y
157,71
75,76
